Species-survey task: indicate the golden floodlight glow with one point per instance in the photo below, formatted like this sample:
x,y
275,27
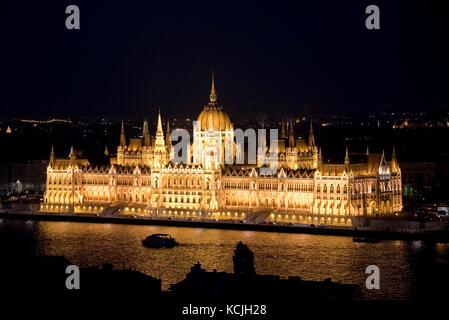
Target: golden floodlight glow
x,y
142,173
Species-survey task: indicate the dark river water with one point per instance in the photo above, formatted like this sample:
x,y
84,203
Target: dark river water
x,y
407,269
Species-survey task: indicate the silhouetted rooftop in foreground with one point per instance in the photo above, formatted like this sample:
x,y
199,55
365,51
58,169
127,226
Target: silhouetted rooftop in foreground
x,y
202,285
244,283
44,277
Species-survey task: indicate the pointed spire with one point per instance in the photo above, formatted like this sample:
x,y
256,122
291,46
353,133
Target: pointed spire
x,y
122,136
382,158
167,135
159,144
311,136
320,156
347,156
394,162
283,135
72,153
106,152
291,136
383,161
159,124
367,151
213,94
146,134
144,128
52,157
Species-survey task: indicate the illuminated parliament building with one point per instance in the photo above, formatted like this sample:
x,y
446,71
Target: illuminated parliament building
x,y
143,180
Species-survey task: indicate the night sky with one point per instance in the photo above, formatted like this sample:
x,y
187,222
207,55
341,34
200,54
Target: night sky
x,y
131,57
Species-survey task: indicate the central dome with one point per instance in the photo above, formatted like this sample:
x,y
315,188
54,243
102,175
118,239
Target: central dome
x,y
213,117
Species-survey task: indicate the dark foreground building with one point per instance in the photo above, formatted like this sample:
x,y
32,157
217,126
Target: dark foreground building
x,y
44,278
245,284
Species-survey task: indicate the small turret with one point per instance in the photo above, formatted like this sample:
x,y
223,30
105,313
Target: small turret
x,y
106,152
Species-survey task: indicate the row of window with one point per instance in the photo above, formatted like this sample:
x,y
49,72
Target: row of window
x,y
266,186
318,197
331,189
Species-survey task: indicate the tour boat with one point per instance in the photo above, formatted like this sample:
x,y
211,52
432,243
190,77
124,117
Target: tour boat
x,y
159,240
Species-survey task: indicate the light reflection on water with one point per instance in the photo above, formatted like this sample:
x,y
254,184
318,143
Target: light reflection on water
x,y
312,257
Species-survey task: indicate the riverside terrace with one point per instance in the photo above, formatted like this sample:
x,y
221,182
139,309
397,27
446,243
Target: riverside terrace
x,y
391,228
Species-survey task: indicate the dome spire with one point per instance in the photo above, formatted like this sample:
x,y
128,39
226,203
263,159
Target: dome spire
x,y
213,94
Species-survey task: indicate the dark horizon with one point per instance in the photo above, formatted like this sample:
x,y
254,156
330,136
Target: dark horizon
x,y
130,60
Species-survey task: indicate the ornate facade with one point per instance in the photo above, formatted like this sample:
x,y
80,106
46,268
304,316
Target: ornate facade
x,y
143,180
